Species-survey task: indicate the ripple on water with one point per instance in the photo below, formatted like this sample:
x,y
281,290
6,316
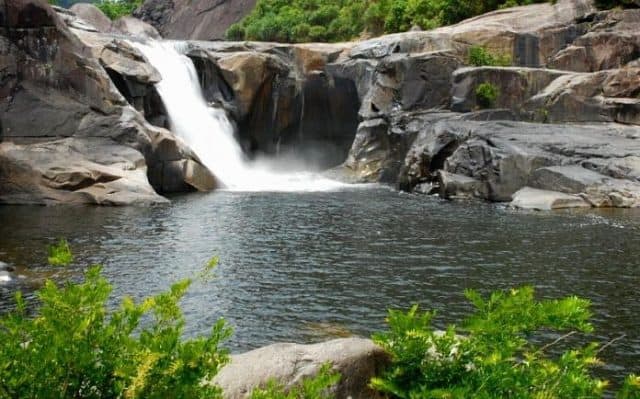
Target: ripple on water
x,y
303,266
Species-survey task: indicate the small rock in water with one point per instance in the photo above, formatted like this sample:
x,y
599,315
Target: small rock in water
x,y
6,272
5,277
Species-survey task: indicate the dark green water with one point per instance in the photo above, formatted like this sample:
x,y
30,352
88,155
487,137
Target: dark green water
x,y
309,266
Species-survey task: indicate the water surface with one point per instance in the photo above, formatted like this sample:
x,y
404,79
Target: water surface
x,y
305,267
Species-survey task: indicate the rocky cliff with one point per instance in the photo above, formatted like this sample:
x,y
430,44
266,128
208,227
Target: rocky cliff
x,y
71,112
194,19
401,109
565,119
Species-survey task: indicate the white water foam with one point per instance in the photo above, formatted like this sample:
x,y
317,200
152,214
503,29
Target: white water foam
x,y
209,133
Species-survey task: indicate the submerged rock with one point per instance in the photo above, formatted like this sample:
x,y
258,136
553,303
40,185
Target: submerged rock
x,y
545,200
357,360
7,273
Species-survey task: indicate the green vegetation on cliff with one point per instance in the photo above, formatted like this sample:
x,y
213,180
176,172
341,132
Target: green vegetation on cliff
x,y
118,8
339,20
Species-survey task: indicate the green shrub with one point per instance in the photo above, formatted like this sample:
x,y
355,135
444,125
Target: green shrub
x,y
495,357
60,253
346,19
480,56
74,347
235,32
630,388
115,9
310,388
486,95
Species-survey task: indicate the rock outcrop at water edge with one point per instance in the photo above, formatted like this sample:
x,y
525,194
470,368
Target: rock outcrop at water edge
x,y
423,128
69,135
401,109
356,359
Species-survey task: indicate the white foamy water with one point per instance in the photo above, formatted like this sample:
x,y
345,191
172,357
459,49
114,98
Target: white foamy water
x,y
209,132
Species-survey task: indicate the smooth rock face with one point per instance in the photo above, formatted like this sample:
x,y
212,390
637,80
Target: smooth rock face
x,y
69,132
93,15
544,200
357,360
74,171
194,20
284,100
135,28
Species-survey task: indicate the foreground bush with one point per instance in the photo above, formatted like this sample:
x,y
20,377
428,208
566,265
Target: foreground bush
x,y
74,347
495,357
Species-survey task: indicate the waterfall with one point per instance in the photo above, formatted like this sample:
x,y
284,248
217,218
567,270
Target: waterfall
x,y
209,132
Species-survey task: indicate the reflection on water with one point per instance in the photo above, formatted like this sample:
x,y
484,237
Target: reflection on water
x,y
305,266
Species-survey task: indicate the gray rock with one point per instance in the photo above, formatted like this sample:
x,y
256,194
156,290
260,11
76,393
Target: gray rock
x,y
195,20
406,82
454,186
611,42
595,188
515,85
505,155
544,200
134,27
356,359
93,15
81,171
377,152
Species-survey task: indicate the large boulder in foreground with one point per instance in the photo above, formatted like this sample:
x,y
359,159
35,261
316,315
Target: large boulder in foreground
x,y
356,359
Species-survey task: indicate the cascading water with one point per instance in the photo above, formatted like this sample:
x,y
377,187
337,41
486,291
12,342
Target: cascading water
x,y
208,131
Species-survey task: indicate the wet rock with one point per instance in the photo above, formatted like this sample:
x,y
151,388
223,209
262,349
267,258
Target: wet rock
x,y
454,186
356,359
376,152
247,73
597,189
283,98
544,200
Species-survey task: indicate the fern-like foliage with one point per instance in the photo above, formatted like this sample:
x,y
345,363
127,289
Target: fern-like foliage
x,y
75,347
492,355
